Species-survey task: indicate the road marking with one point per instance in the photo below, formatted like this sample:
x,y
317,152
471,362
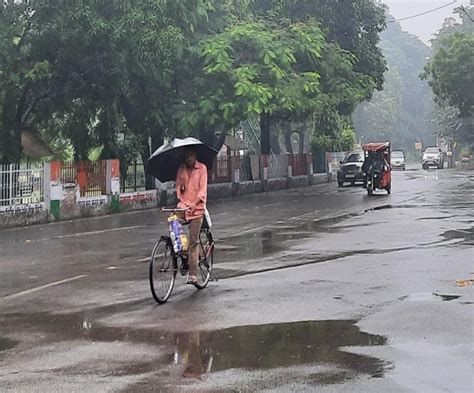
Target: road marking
x,y
250,230
273,204
27,292
96,232
144,259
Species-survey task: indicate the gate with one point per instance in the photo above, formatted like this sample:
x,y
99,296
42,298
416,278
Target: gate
x,y
134,178
221,170
90,176
21,184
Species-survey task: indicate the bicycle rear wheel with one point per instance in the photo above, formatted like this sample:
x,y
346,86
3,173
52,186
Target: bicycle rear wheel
x,y
163,268
206,259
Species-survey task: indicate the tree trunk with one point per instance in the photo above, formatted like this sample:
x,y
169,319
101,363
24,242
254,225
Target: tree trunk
x,y
275,142
10,132
145,155
156,139
289,146
5,146
265,127
301,145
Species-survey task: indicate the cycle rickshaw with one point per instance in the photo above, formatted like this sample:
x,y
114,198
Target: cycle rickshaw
x,y
377,167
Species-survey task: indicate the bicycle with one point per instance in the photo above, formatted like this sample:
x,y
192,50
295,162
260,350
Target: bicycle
x,y
165,262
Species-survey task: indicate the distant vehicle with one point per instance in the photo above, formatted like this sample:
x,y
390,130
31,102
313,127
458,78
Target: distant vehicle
x,y
432,156
398,159
350,170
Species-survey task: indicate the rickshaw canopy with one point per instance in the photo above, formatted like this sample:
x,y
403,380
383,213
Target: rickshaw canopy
x,y
376,146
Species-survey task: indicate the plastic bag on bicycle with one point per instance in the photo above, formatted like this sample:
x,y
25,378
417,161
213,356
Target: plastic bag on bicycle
x,y
178,237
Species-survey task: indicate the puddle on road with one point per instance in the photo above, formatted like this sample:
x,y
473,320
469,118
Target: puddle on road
x,y
260,347
279,346
6,344
273,238
429,297
264,243
465,235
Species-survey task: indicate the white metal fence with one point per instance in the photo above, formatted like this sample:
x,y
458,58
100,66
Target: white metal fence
x,y
21,184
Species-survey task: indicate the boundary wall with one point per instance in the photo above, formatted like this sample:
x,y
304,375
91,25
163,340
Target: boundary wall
x,y
67,200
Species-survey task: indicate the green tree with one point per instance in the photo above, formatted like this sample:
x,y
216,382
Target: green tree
x,y
352,64
347,69
453,126
23,77
118,75
379,118
353,25
92,71
402,112
450,74
251,69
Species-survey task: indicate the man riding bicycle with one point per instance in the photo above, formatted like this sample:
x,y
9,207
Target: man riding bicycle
x,y
191,190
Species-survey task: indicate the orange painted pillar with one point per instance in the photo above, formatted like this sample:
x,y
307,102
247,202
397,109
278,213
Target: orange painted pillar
x,y
55,171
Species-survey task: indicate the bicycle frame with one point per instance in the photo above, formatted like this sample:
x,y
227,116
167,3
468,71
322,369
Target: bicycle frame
x,y
161,283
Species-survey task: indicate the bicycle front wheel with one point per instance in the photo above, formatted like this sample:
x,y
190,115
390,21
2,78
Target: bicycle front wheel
x,y
206,259
163,268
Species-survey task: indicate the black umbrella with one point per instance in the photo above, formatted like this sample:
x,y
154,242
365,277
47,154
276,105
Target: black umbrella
x,y
165,161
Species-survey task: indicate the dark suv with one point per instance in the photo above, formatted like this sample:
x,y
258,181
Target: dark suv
x,y
351,169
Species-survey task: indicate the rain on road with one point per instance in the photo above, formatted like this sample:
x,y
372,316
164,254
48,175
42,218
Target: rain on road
x,y
319,288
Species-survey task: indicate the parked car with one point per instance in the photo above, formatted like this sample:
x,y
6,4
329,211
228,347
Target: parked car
x,y
432,156
351,169
398,159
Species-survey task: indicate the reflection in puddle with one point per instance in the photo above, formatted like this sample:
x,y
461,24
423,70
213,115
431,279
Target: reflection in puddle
x,y
277,346
429,297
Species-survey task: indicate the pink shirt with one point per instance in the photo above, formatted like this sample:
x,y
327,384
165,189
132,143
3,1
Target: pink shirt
x,y
190,188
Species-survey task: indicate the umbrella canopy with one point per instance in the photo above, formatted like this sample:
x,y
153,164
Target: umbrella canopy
x,y
165,161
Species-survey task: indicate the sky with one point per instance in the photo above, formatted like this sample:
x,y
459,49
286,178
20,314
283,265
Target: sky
x,y
424,26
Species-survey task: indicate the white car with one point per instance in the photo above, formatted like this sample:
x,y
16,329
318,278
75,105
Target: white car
x,y
432,156
397,159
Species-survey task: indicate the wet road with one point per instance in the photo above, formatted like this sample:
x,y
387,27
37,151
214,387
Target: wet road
x,y
319,289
